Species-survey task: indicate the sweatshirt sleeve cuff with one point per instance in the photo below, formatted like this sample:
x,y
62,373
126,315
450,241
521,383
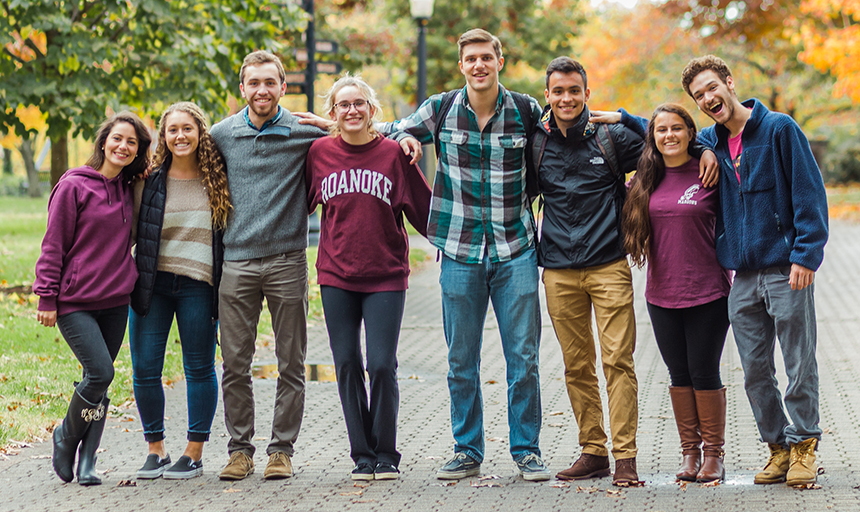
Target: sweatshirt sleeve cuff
x,y
47,303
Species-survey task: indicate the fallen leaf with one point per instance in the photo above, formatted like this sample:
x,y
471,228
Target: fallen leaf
x,y
490,477
232,489
447,484
556,413
713,483
614,494
486,484
491,382
360,485
806,486
633,483
496,439
353,493
682,485
590,490
126,483
559,485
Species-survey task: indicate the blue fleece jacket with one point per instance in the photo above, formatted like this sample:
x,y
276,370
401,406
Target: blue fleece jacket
x,y
777,214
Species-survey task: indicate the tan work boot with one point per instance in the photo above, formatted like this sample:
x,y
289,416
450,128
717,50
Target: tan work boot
x,y
802,468
239,467
777,466
279,466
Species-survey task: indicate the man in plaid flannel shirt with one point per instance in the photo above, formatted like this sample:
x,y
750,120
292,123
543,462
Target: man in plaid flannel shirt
x,y
482,223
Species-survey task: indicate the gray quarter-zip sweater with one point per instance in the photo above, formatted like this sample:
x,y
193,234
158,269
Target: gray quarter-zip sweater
x,y
266,178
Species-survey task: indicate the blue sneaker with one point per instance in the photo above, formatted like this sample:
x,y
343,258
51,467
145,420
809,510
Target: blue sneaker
x,y
184,469
532,468
153,467
460,466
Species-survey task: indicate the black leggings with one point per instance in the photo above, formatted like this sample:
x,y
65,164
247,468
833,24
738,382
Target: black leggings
x,y
372,427
691,342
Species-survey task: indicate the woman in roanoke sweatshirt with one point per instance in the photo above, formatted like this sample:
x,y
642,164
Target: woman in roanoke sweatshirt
x,y
84,277
365,186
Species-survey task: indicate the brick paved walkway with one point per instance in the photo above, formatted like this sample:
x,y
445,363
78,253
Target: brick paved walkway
x,y
322,463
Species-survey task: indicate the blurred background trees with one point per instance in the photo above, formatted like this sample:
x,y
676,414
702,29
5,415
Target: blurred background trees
x,y
65,64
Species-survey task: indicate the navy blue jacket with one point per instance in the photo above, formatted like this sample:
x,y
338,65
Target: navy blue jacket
x,y
777,214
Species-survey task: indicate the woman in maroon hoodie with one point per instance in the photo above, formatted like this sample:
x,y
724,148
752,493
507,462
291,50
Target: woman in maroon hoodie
x,y
84,277
365,185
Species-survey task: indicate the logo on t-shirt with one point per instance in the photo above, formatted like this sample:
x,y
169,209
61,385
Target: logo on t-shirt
x,y
690,192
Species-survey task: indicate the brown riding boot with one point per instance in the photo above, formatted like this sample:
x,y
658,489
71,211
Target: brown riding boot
x,y
687,419
711,406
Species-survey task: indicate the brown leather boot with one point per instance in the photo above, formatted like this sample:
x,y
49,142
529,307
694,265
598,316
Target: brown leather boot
x,y
711,406
687,419
586,466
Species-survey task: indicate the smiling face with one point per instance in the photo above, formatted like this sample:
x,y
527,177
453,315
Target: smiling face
x,y
181,134
480,65
567,95
262,88
352,112
672,137
120,149
713,96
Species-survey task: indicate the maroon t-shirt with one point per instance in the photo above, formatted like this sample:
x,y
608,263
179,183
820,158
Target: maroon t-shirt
x,y
364,192
682,269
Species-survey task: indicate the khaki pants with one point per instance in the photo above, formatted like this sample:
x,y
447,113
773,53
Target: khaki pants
x,y
570,295
283,280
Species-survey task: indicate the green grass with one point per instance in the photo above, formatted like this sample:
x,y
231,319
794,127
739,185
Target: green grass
x,y
36,366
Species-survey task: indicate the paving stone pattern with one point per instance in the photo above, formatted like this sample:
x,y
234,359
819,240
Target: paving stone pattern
x,y
322,463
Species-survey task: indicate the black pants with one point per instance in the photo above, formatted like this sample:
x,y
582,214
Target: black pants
x,y
691,342
95,337
372,428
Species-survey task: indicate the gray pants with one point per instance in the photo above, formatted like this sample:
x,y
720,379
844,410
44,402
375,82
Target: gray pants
x,y
762,308
283,281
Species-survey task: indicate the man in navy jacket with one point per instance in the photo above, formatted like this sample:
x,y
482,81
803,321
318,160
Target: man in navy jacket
x,y
772,232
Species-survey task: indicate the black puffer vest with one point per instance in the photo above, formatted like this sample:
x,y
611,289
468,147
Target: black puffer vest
x,y
149,222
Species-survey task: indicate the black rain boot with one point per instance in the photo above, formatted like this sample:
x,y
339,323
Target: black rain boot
x,y
89,445
68,436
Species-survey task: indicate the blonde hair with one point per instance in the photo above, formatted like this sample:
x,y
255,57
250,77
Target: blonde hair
x,y
209,161
367,91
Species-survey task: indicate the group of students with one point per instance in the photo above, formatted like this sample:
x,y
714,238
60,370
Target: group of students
x,y
209,253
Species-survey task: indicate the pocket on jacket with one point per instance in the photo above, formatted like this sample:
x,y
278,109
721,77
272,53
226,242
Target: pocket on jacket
x,y
70,280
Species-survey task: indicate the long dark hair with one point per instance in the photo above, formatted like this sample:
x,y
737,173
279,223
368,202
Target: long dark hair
x,y
144,140
209,160
635,220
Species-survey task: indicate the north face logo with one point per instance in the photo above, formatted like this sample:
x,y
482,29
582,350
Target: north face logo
x,y
597,160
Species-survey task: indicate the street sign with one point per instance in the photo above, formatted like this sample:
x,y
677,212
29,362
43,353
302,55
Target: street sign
x,y
297,77
325,46
296,89
329,68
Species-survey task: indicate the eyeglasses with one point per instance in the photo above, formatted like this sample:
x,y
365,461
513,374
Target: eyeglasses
x,y
344,106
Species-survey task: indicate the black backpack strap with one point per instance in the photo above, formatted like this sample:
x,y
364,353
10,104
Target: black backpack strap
x,y
444,107
607,147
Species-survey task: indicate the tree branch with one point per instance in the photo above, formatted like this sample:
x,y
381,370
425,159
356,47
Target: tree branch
x,y
31,45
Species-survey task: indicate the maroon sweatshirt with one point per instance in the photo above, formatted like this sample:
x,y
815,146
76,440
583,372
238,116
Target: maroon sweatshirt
x,y
365,191
86,261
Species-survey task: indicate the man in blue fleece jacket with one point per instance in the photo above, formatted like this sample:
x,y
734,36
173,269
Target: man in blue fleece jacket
x,y
772,232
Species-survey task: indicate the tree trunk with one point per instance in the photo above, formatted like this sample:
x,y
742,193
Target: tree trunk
x,y
26,149
7,161
59,157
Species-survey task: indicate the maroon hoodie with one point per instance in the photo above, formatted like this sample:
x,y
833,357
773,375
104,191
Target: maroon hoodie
x,y
86,261
365,191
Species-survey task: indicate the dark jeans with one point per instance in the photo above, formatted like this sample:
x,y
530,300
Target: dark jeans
x,y
191,302
95,337
691,342
372,429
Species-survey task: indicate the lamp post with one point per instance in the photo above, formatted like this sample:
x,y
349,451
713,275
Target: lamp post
x,y
421,11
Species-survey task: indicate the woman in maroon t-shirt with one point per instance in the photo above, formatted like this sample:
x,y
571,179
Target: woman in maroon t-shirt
x,y
669,220
365,186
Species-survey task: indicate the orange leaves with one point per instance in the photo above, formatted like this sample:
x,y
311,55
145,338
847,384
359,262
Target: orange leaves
x,y
831,39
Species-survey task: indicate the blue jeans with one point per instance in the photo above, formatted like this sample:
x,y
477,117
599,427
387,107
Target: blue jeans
x,y
191,302
763,308
466,292
95,337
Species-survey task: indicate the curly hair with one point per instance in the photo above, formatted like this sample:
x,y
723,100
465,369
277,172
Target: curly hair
x,y
144,140
635,220
209,161
366,90
701,64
